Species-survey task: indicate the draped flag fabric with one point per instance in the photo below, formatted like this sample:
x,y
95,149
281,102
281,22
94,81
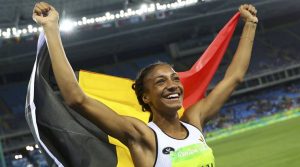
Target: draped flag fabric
x,y
197,79
68,139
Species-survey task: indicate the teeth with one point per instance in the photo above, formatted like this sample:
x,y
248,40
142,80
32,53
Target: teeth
x,y
173,96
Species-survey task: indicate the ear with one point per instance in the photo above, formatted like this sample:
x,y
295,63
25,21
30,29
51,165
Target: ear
x,y
146,98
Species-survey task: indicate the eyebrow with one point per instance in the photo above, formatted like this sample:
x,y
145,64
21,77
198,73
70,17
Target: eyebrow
x,y
161,76
175,73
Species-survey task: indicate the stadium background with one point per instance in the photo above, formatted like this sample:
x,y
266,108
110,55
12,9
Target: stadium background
x,y
259,126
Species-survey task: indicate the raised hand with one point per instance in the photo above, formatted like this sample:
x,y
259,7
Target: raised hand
x,y
248,13
45,15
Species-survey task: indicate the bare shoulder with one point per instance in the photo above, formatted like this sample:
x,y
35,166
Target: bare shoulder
x,y
192,115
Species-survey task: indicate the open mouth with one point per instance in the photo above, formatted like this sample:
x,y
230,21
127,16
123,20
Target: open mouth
x,y
174,96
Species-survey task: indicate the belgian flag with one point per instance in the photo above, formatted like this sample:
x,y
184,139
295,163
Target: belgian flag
x,y
68,139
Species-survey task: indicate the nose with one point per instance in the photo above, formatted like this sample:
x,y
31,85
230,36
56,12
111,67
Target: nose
x,y
171,86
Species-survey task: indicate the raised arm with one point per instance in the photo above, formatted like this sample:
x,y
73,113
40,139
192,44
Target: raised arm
x,y
123,128
205,109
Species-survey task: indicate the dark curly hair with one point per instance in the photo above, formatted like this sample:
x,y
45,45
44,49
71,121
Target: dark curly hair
x,y
138,85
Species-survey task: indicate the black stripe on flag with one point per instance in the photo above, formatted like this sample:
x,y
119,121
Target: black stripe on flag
x,y
66,138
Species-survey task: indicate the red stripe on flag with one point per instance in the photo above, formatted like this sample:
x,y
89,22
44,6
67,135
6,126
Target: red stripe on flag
x,y
196,80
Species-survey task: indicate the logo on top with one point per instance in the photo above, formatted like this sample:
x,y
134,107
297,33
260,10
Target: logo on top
x,y
167,150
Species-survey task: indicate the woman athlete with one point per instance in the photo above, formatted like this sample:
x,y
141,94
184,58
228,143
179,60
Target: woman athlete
x,y
168,140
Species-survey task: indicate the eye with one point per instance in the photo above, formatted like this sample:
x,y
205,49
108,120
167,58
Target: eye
x,y
160,81
176,78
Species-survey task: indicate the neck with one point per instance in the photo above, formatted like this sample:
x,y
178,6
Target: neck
x,y
169,124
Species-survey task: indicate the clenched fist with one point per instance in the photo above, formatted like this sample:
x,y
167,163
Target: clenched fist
x,y
248,13
45,15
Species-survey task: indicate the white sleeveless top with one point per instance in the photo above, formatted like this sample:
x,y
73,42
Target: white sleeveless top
x,y
189,152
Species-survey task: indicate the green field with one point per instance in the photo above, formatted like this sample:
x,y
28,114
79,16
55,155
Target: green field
x,y
275,145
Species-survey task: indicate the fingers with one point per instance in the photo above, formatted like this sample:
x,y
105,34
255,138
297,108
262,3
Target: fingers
x,y
45,14
252,10
45,5
37,10
249,8
35,16
42,8
248,13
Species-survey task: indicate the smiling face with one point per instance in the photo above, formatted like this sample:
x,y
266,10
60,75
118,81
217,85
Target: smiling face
x,y
163,90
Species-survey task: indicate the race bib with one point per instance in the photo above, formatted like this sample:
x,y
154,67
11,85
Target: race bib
x,y
196,155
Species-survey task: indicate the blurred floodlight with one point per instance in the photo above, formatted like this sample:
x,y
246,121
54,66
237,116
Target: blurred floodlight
x,y
67,25
29,148
34,29
18,156
24,31
40,29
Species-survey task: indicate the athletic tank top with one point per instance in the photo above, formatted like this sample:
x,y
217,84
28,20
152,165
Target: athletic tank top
x,y
189,152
